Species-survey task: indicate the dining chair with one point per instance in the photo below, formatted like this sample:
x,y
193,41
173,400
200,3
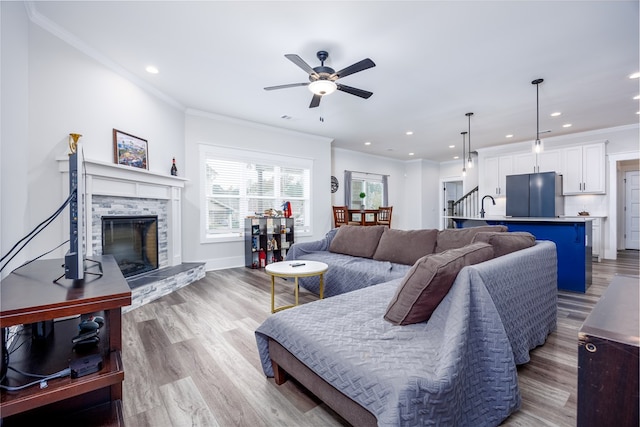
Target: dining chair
x,y
383,217
341,216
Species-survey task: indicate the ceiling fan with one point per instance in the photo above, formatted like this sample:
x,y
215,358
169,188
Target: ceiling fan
x,y
322,80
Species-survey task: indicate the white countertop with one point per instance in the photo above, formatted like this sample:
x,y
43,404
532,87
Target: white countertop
x,y
583,216
576,218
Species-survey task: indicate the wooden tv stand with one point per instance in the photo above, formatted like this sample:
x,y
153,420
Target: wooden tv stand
x,y
29,296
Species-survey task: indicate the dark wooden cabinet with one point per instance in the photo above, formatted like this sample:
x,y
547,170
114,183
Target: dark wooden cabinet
x,y
267,240
28,296
608,358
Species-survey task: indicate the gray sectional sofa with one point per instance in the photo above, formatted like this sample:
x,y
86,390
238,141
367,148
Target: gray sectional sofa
x,y
434,342
359,257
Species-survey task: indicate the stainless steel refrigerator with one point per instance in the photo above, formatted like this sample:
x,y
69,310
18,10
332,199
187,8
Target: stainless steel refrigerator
x,y
535,195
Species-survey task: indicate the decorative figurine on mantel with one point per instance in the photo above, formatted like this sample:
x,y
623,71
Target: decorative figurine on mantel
x,y
174,169
73,142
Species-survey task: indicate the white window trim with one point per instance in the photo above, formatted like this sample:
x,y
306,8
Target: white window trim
x,y
238,154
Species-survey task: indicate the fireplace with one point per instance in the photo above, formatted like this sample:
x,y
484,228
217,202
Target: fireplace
x,y
133,242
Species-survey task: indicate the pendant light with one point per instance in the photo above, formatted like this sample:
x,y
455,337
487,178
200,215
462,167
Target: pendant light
x,y
464,169
469,160
537,145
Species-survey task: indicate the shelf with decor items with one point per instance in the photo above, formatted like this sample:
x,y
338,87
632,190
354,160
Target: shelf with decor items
x,y
267,240
29,297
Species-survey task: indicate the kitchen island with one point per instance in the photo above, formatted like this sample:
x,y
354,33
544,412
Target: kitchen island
x,y
572,236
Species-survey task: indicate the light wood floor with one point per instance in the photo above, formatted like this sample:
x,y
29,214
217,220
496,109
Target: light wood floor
x,y
191,359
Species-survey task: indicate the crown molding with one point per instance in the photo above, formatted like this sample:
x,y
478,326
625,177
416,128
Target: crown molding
x,y
46,24
256,125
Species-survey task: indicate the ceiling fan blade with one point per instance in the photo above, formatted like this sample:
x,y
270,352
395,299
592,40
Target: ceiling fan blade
x,y
315,101
286,86
358,66
355,91
300,63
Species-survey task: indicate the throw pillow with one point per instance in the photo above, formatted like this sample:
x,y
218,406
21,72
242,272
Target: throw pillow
x,y
451,238
505,243
429,280
405,246
357,240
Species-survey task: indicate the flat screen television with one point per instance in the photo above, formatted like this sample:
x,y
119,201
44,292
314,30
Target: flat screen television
x,y
74,260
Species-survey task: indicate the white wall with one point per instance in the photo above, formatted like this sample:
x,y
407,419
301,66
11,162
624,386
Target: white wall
x,y
223,131
66,91
452,171
14,127
359,162
413,186
431,195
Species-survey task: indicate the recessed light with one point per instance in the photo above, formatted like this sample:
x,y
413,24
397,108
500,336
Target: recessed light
x,y
634,76
556,114
456,157
636,97
411,154
367,143
152,70
566,125
509,136
286,117
452,146
409,132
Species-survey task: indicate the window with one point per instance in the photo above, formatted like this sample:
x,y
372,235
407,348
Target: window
x,y
241,183
374,187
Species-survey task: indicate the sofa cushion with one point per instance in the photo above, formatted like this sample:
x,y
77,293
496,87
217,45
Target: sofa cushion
x,y
405,246
429,280
451,238
504,243
357,240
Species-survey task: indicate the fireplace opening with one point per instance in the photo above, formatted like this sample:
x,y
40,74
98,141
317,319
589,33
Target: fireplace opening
x,y
133,242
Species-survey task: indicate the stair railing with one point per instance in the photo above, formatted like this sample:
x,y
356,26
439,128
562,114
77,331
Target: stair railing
x,y
466,205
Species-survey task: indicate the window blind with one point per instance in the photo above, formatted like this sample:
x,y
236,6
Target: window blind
x,y
241,183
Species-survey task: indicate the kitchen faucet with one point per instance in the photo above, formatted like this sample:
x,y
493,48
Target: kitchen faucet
x,y
482,205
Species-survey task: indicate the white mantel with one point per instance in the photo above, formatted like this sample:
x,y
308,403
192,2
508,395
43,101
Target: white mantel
x,y
109,179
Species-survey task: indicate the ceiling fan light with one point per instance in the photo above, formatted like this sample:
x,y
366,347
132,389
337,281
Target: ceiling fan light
x,y
323,87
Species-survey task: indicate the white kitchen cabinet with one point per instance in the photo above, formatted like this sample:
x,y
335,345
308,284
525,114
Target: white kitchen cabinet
x,y
583,169
550,161
524,163
495,174
547,161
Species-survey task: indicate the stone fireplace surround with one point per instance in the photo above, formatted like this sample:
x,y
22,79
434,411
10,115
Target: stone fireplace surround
x,y
112,190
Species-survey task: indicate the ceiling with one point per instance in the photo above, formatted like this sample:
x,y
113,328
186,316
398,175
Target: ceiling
x,y
435,61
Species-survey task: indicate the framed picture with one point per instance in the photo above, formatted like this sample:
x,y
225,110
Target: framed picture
x,y
129,150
